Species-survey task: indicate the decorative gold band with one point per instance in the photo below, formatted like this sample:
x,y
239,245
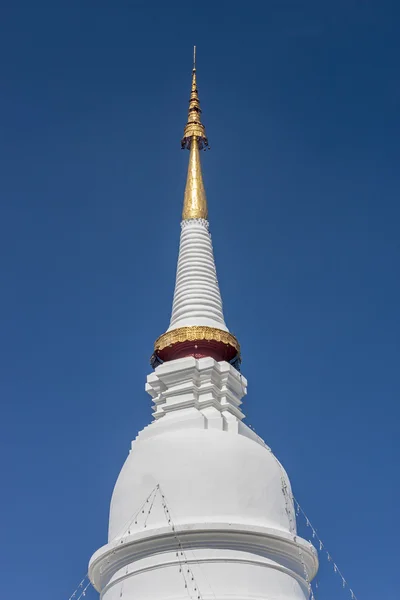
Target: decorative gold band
x,y
192,334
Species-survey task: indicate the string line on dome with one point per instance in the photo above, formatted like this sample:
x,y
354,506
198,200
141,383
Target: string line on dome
x,y
81,589
307,578
322,548
198,565
183,560
83,593
299,510
136,518
123,581
184,563
289,507
182,551
151,506
140,517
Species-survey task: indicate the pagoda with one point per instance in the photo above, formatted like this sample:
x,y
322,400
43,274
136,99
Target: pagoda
x,y
202,508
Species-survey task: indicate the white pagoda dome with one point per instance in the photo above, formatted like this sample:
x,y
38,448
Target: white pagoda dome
x,y
202,508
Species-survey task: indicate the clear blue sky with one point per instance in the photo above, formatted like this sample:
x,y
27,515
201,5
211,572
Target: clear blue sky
x,y
301,101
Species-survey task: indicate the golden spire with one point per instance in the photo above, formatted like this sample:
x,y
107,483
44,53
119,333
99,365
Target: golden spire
x,y
197,326
194,139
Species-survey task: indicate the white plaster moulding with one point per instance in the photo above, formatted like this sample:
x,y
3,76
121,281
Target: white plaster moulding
x,y
122,575
199,383
199,405
197,297
273,543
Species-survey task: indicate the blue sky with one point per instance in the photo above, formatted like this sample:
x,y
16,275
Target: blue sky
x,y
301,104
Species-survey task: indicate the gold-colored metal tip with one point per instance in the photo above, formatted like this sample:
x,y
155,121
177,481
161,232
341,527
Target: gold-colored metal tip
x,y
194,139
195,200
194,126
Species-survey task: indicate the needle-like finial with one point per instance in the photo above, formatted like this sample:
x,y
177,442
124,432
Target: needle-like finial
x,y
194,126
194,139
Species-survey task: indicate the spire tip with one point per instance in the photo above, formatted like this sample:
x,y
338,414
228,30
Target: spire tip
x,y
194,128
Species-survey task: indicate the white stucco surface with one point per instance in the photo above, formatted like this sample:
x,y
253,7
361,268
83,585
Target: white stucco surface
x,y
225,493
197,299
206,475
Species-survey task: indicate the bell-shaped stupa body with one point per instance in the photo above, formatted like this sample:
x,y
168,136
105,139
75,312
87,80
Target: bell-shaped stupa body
x,y
202,508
